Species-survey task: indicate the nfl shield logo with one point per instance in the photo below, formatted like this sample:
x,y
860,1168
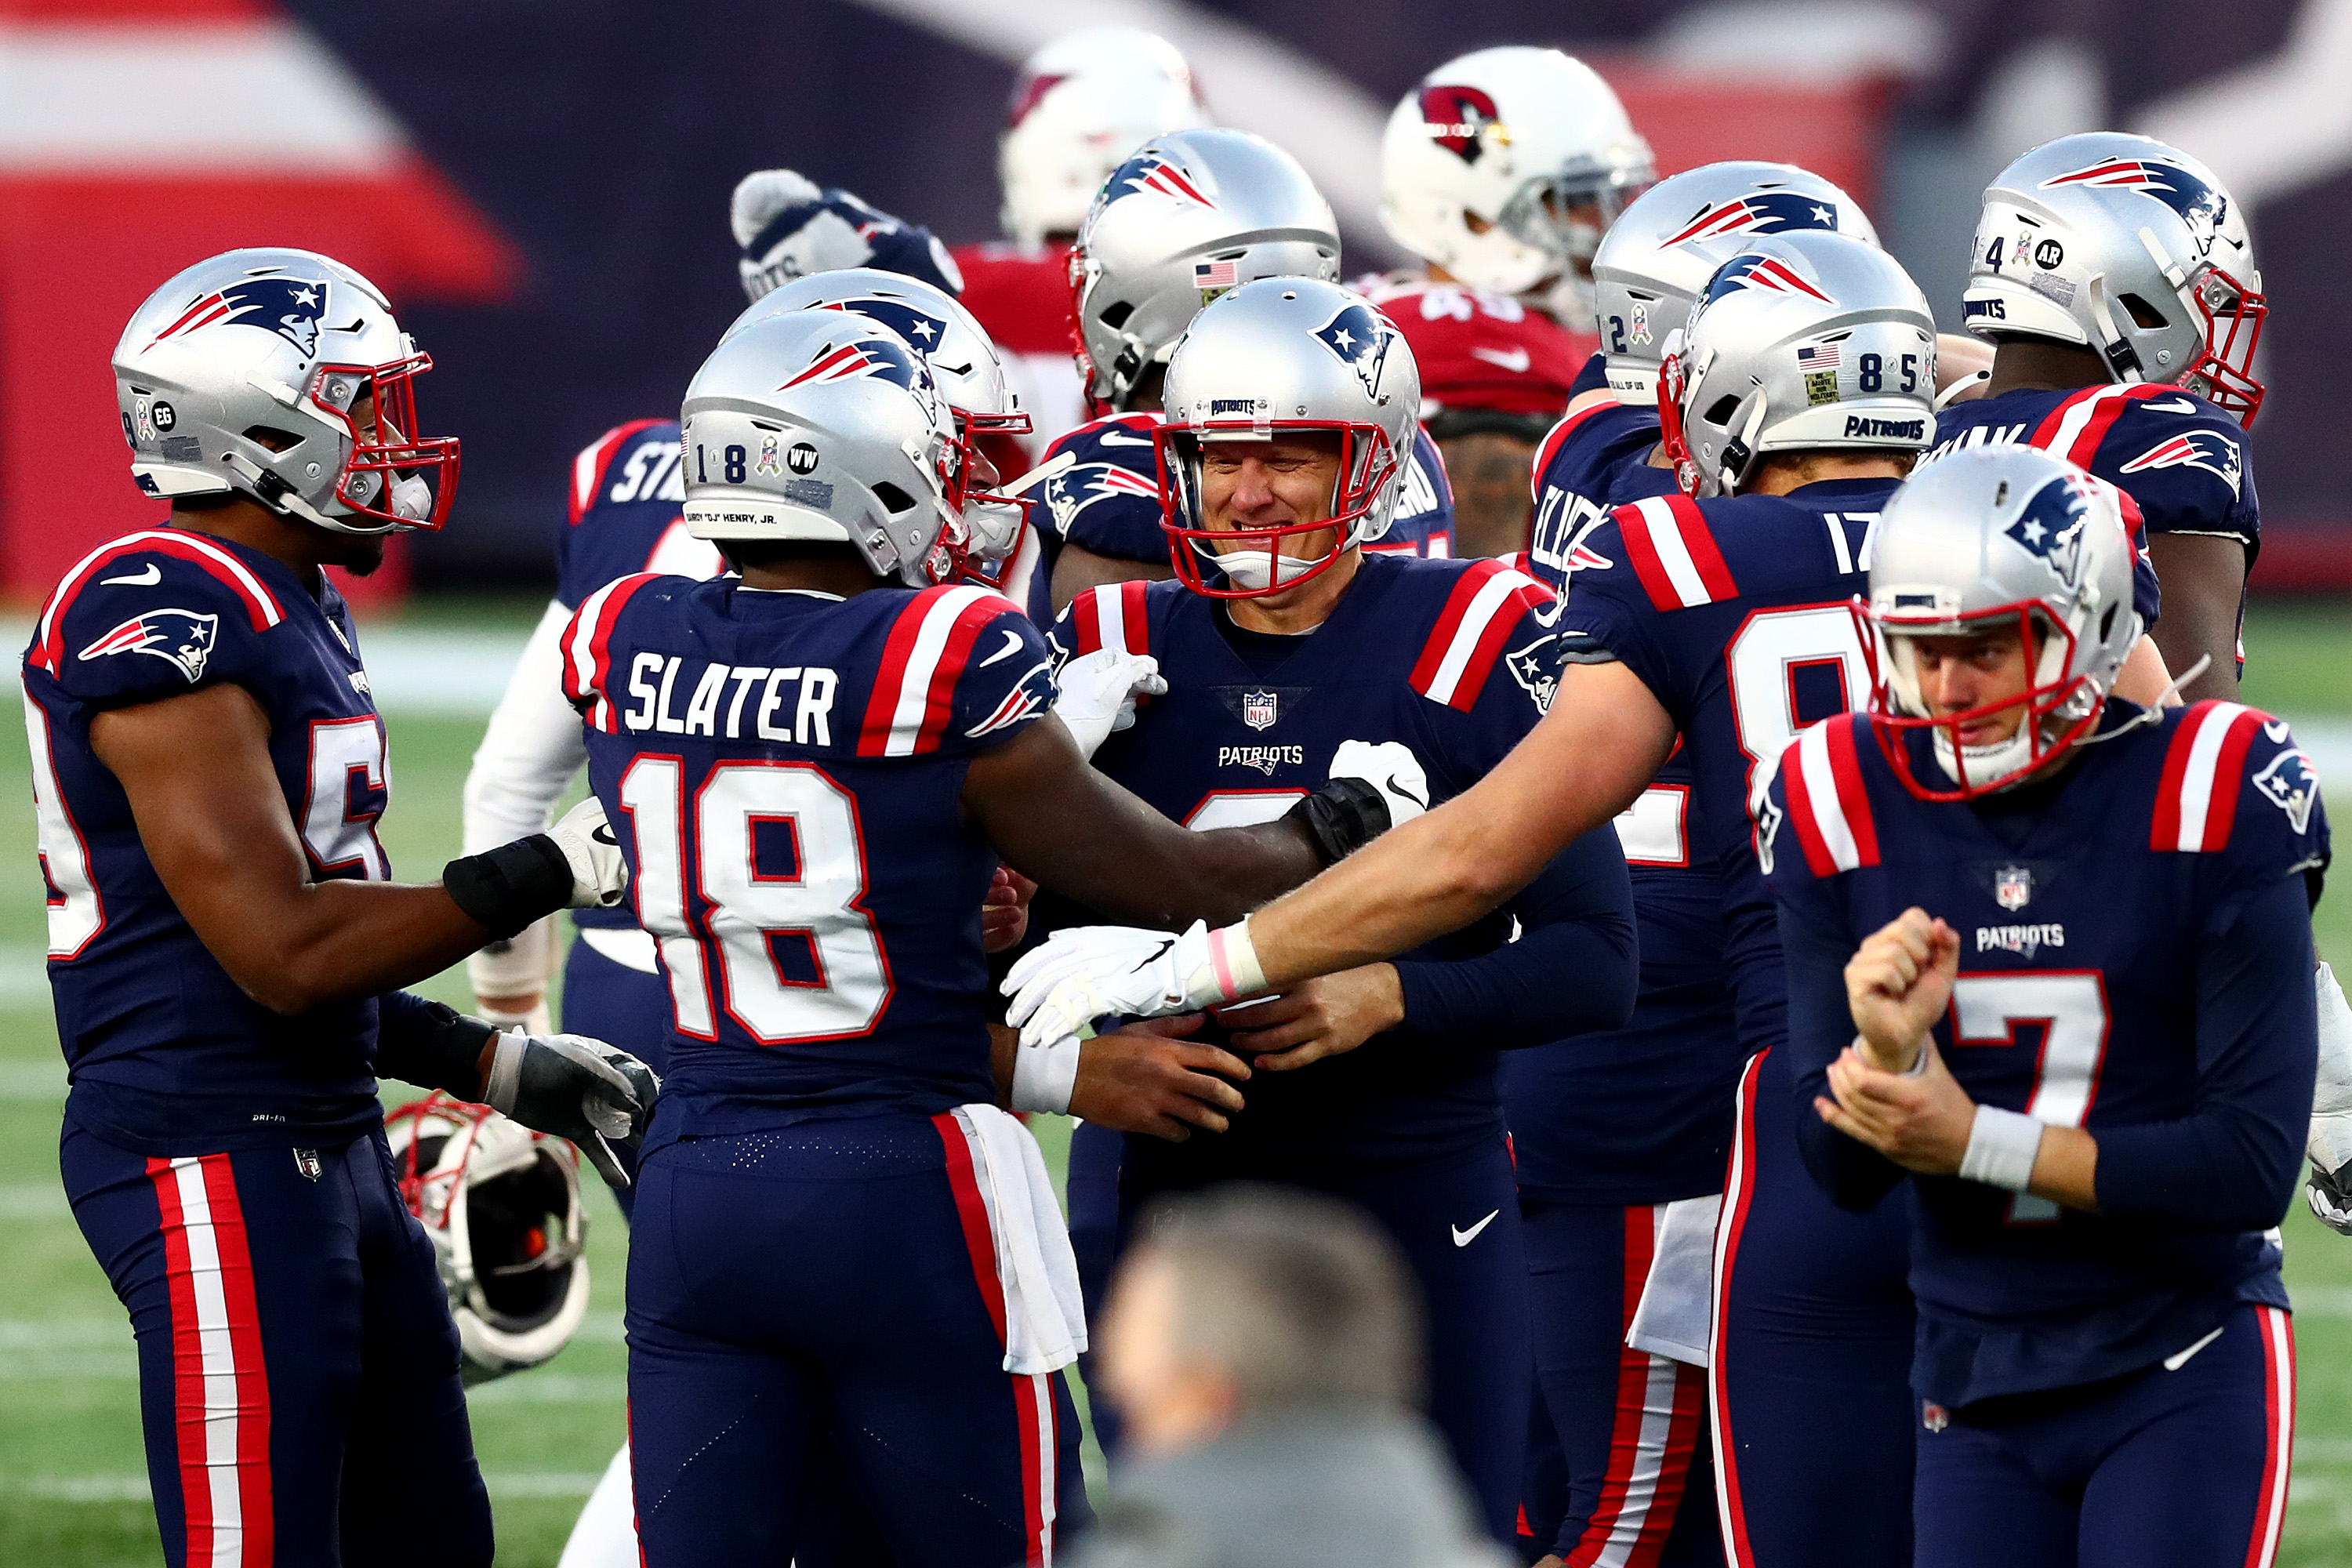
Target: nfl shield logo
x,y
307,1161
1257,710
2012,886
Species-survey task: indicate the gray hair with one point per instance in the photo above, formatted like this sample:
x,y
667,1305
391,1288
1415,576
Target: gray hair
x,y
1298,1297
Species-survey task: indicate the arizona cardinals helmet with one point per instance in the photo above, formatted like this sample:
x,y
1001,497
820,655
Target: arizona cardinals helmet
x,y
501,1206
824,425
1505,166
245,373
1276,356
1997,538
1655,260
1080,105
1802,341
2129,247
1189,216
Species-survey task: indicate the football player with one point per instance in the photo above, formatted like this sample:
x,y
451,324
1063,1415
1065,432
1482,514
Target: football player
x,y
1284,648
2116,278
820,761
225,940
1080,106
1189,216
1715,617
2079,1017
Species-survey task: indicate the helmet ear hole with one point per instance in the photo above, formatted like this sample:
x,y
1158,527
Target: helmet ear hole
x,y
892,496
1720,410
1115,314
2144,315
271,436
2107,622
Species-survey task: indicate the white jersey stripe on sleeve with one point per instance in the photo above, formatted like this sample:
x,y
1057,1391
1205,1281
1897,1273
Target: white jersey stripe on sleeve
x,y
2197,780
922,666
1822,793
1666,539
1492,594
262,597
1110,615
2077,418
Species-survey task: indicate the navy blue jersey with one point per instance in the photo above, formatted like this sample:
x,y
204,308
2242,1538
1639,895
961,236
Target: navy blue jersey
x,y
2136,959
168,1056
788,768
1451,658
1108,502
1642,1114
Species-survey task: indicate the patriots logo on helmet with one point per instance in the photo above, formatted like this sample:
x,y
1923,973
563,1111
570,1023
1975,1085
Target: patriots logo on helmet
x,y
1457,118
290,307
2207,450
1767,274
1152,171
1359,336
2200,207
2051,526
863,356
184,637
1074,489
919,327
1762,212
2291,783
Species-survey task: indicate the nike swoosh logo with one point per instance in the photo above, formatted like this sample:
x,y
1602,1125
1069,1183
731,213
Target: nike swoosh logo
x,y
147,579
2276,729
2179,1359
1516,360
1011,645
1421,800
1153,955
2177,405
1114,439
1464,1238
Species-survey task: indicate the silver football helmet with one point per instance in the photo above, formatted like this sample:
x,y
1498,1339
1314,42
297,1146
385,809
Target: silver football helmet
x,y
825,425
501,1206
1803,342
1991,539
2128,247
963,365
282,375
1189,216
1655,260
1285,355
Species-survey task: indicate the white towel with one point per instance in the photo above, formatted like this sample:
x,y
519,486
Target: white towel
x,y
1677,1305
1044,1316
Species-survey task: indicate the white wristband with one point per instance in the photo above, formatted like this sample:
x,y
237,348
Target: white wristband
x,y
2001,1148
1046,1075
1232,970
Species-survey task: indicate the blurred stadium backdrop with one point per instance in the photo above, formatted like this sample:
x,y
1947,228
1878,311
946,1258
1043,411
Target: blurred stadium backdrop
x,y
541,187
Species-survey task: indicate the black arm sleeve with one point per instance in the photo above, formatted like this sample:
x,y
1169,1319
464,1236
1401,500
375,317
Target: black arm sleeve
x,y
430,1043
1820,1027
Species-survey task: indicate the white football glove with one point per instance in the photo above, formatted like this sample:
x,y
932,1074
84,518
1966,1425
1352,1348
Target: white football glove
x,y
1060,989
2330,1143
1391,768
599,875
575,1087
1098,691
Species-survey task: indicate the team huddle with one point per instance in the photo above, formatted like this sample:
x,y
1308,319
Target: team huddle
x,y
1794,756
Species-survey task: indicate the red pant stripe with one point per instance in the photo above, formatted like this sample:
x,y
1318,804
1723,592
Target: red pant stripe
x,y
2278,1401
1739,1189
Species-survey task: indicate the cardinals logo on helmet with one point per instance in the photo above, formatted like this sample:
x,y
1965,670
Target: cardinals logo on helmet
x,y
1027,93
1767,274
1359,336
2291,783
1763,212
2200,207
2207,450
2052,527
1152,171
184,637
865,356
1457,119
290,307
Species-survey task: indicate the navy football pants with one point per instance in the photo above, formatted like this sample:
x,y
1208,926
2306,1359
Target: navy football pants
x,y
2165,1468
1457,1222
622,1006
838,1277
1617,1478
1814,1419
298,1369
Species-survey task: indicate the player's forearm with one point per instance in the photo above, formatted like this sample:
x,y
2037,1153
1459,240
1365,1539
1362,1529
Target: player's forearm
x,y
330,941
2066,1169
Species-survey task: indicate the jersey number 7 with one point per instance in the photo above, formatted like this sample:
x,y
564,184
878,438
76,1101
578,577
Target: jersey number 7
x,y
2072,1009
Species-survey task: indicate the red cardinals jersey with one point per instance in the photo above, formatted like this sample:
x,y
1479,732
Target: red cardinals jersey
x,y
1477,349
1023,298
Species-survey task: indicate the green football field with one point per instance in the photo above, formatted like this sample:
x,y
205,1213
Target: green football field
x,y
73,1489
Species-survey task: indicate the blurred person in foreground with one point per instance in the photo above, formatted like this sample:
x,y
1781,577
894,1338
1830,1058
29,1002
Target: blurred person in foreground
x,y
1263,1346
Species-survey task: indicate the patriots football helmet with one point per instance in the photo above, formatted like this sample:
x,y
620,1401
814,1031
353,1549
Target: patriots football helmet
x,y
1654,261
281,376
826,426
1993,538
1505,166
501,1206
1285,355
1080,105
963,365
1189,216
2128,246
1804,340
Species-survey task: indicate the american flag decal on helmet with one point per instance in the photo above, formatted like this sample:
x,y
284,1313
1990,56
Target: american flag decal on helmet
x,y
1764,212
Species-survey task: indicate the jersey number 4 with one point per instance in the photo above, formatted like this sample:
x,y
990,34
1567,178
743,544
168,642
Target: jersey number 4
x,y
2070,1010
777,858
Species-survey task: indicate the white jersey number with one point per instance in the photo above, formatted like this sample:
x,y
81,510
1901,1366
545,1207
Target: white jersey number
x,y
76,913
2072,1009
757,915
347,759
1765,659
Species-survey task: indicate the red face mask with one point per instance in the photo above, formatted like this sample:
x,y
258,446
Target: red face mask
x,y
384,472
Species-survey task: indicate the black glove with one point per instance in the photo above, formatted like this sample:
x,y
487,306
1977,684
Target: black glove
x,y
1341,818
575,1087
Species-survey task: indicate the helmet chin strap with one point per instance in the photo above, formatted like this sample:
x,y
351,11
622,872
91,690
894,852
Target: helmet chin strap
x,y
2154,711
